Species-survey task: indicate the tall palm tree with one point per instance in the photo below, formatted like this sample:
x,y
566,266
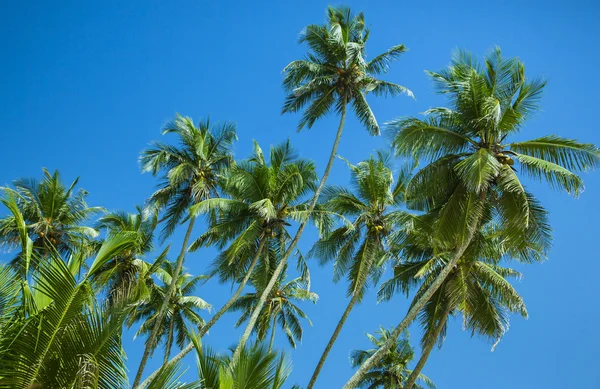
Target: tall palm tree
x,y
190,173
477,287
264,197
280,308
392,371
121,274
182,312
469,161
55,215
360,248
333,75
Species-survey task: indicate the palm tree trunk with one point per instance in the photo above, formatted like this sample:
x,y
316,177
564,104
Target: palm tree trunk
x,y
273,333
410,316
412,378
169,339
217,316
163,308
292,246
336,332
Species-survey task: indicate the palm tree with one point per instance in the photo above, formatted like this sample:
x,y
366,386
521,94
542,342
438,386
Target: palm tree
x,y
191,172
477,287
66,338
256,368
121,274
265,196
334,74
182,311
54,216
360,248
280,307
392,371
470,161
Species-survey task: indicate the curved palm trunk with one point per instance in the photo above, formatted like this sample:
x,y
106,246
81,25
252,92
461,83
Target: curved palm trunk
x,y
273,334
336,332
169,339
412,378
410,316
217,316
292,246
163,308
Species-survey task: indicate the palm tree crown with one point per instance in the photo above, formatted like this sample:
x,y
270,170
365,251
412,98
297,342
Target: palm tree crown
x,y
121,274
265,197
280,308
335,71
54,215
477,286
392,370
469,153
191,170
182,311
360,246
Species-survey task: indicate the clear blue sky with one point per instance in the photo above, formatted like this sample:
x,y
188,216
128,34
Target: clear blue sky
x,y
84,86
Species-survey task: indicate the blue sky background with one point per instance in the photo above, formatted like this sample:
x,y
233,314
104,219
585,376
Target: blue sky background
x,y
84,86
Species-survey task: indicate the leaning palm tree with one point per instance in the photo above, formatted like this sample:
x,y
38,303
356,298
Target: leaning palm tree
x,y
477,287
469,161
55,216
360,249
281,308
121,274
190,173
392,371
182,312
265,196
334,74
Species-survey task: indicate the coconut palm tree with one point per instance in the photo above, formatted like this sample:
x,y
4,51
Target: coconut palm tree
x,y
66,338
280,308
392,371
471,165
120,275
54,215
256,368
360,248
182,312
477,287
334,74
265,197
190,173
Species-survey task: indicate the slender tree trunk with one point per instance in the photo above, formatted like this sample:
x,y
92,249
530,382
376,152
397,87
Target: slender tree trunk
x,y
217,316
412,378
165,304
273,333
169,338
410,316
292,246
336,332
